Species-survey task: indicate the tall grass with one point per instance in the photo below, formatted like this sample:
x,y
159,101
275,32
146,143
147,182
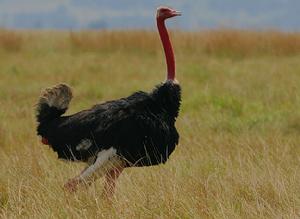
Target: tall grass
x,y
238,155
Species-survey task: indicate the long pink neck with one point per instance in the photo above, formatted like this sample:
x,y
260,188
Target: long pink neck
x,y
164,36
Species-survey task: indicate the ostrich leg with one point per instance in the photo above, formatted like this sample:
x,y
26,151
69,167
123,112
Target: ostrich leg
x,y
110,184
93,171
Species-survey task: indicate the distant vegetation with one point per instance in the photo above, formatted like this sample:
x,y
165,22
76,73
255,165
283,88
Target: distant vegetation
x,y
10,40
222,42
219,42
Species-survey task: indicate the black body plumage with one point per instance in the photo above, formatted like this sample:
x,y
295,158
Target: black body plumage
x,y
140,127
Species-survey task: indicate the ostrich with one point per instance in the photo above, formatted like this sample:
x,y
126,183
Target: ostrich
x,y
138,130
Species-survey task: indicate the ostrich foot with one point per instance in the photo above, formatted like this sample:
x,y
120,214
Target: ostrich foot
x,y
72,185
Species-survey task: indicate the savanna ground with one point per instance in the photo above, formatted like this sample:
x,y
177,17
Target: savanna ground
x,y
239,154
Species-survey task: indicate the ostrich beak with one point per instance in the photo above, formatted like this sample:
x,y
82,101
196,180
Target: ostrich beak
x,y
176,13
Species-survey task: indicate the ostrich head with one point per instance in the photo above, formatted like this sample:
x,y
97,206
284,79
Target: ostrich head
x,y
164,13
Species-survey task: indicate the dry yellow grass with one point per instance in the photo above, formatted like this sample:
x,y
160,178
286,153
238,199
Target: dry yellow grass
x,y
239,154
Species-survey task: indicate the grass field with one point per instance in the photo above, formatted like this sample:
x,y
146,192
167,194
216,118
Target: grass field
x,y
239,154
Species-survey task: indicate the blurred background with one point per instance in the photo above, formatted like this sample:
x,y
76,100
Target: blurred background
x,y
132,14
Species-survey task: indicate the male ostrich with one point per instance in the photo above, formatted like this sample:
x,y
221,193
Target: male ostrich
x,y
138,130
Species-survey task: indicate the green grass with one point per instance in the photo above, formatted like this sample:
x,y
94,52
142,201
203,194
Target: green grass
x,y
239,123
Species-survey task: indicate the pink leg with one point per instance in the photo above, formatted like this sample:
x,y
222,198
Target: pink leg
x,y
72,184
96,170
111,177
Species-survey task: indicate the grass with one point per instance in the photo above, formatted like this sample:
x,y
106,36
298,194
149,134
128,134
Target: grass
x,y
239,152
